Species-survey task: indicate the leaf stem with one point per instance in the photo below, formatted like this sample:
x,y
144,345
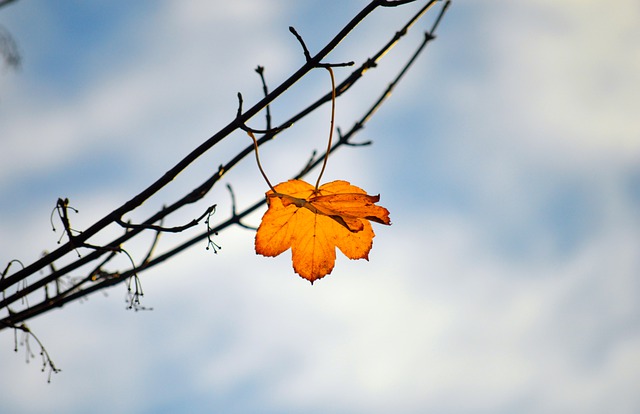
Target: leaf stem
x,y
333,114
255,146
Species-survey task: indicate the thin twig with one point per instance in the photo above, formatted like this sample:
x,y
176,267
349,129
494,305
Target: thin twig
x,y
234,211
260,71
176,229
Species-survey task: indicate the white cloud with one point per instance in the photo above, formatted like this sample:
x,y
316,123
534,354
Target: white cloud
x,y
559,81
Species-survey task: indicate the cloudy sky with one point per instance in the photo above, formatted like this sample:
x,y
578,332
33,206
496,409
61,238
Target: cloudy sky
x,y
509,159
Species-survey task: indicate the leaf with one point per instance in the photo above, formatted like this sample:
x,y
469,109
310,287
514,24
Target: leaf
x,y
313,223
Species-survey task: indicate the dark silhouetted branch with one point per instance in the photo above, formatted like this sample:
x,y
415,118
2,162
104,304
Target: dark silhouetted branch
x,y
98,258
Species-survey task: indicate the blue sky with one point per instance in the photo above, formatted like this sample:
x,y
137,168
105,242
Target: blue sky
x,y
509,159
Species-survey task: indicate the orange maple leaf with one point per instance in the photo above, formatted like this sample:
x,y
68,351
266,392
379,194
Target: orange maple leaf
x,y
314,222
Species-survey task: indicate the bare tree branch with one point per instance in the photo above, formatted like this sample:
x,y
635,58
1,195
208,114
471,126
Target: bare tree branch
x,y
16,290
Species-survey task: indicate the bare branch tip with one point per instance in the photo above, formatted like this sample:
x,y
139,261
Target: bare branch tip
x,y
239,113
307,55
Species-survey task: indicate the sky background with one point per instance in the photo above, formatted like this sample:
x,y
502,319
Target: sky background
x,y
509,159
